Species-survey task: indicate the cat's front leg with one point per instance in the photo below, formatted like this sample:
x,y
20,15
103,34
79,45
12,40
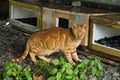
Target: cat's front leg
x,y
69,58
75,56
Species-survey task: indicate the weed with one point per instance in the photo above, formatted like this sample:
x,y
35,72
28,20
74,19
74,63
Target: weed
x,y
16,71
59,69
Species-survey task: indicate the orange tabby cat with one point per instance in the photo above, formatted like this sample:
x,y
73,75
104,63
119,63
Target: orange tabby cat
x,y
46,42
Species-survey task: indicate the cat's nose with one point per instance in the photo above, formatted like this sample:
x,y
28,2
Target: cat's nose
x,y
80,36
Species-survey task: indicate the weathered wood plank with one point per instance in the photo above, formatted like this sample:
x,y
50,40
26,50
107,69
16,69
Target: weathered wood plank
x,y
23,26
24,5
111,20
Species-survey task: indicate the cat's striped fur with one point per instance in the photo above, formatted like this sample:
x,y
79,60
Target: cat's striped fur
x,y
45,42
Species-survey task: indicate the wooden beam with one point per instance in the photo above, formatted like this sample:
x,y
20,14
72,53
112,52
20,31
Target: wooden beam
x,y
105,60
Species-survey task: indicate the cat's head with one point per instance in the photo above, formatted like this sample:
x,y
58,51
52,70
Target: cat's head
x,y
79,31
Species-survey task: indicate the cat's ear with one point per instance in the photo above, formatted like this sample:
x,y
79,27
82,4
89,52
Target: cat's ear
x,y
74,25
84,25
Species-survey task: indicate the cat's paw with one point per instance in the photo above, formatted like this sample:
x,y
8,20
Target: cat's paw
x,y
35,62
73,63
80,60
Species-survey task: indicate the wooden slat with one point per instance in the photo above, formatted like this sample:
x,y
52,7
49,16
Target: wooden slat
x,y
23,26
23,5
111,20
105,60
107,50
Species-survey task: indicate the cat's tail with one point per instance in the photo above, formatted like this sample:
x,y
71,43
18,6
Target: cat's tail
x,y
23,56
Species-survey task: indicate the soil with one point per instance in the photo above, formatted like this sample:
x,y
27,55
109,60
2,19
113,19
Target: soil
x,y
12,44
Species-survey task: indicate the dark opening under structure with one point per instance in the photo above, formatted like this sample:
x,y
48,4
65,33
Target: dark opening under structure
x,y
62,22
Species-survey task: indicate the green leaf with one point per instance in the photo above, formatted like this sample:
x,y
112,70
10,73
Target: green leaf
x,y
9,72
81,65
63,69
86,61
69,77
28,75
56,62
63,76
82,75
53,71
69,71
51,78
94,70
98,73
67,65
8,65
17,78
76,71
7,68
62,59
27,68
42,63
75,78
92,63
19,67
59,74
14,73
100,66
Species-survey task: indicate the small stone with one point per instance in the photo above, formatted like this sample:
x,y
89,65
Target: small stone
x,y
118,78
116,74
92,78
105,78
9,79
114,78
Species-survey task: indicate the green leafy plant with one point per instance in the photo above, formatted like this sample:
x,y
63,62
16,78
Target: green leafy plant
x,y
62,70
14,70
43,68
65,71
90,66
59,69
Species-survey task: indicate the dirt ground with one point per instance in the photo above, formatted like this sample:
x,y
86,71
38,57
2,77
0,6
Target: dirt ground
x,y
12,44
